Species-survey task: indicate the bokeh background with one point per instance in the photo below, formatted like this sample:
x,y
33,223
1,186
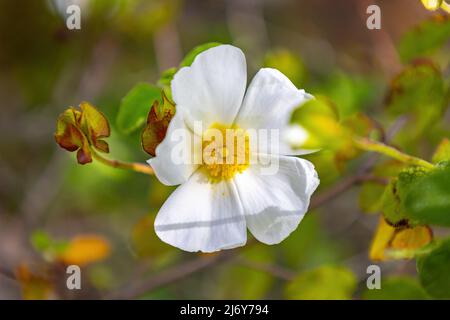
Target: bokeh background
x,y
47,199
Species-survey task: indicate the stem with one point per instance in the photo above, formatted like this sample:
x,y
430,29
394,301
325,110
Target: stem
x,y
379,147
138,167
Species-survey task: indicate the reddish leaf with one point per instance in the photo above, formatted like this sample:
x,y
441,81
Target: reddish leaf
x,y
102,145
157,122
84,154
67,135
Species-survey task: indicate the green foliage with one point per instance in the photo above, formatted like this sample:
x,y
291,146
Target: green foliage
x,y
190,56
145,242
252,283
288,63
325,282
419,88
433,269
442,152
49,248
425,39
428,199
371,194
319,118
135,107
397,288
309,246
370,197
350,93
393,206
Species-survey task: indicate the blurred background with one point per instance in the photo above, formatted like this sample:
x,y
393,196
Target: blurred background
x,y
47,200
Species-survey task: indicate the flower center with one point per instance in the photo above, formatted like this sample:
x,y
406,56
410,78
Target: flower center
x,y
225,151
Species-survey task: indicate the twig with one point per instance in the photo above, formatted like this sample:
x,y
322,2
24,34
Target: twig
x,y
7,273
171,275
134,166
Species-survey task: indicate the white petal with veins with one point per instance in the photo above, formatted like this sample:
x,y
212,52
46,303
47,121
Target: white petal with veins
x,y
268,104
200,216
274,205
212,88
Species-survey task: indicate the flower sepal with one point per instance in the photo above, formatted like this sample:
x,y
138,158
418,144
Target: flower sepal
x,y
79,130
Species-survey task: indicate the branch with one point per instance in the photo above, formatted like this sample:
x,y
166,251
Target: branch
x,y
7,274
171,275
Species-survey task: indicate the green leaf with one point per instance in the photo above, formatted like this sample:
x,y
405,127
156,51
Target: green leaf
x,y
166,77
40,240
428,199
189,58
135,107
393,205
326,282
433,269
418,88
350,92
425,38
397,288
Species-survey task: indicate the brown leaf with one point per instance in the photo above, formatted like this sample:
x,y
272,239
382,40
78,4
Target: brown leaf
x,y
84,154
157,122
67,135
102,145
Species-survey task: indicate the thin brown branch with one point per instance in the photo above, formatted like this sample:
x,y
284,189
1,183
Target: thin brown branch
x,y
7,273
171,275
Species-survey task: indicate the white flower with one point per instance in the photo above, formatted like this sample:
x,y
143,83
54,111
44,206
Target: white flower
x,y
216,203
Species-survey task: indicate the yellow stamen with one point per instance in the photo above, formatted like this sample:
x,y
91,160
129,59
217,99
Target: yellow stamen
x,y
225,151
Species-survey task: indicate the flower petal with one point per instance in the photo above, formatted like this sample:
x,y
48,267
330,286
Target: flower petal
x,y
212,88
268,104
275,204
174,162
200,216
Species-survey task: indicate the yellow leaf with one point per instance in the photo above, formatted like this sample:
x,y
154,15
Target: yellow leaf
x,y
398,243
407,241
85,249
380,242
